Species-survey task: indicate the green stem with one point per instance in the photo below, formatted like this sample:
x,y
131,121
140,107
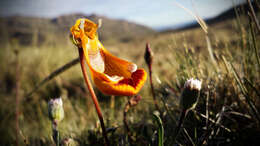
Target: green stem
x,y
56,135
160,129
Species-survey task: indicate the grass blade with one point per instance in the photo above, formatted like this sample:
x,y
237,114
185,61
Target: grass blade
x,y
160,130
187,134
254,44
254,15
54,74
242,88
252,86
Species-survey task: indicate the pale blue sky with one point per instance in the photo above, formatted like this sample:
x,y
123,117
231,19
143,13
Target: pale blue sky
x,y
153,13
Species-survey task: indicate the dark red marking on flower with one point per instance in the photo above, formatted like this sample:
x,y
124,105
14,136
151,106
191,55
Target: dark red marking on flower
x,y
135,79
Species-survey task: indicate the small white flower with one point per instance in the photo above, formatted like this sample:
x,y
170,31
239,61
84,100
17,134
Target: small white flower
x,y
55,109
193,84
55,102
190,94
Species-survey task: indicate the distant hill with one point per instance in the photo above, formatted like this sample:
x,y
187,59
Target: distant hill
x,y
228,14
39,31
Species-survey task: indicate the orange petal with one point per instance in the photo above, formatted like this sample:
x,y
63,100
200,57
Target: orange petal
x,y
110,74
126,86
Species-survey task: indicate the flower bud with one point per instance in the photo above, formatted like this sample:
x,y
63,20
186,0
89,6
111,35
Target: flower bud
x,y
55,110
133,102
190,94
148,56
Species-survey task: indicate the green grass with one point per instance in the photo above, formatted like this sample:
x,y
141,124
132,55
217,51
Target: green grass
x,y
229,96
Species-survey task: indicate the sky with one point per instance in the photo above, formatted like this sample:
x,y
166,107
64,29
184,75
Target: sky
x,y
152,13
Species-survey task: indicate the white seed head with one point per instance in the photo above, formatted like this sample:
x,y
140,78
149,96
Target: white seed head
x,y
193,84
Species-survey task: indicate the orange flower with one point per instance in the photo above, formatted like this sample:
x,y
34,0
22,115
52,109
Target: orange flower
x,y
111,75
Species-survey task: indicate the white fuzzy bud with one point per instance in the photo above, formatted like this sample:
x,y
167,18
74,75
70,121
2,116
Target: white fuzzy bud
x,y
190,94
55,109
193,84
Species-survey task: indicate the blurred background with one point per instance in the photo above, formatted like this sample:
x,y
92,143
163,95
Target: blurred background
x,y
35,42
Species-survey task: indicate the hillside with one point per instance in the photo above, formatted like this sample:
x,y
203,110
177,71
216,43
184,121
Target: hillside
x,y
42,31
226,15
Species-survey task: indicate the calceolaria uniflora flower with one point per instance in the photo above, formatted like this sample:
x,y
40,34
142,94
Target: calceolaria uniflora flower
x,y
55,110
111,75
190,94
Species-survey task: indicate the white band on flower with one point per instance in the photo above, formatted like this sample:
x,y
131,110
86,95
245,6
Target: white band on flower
x,y
114,78
82,22
193,84
132,67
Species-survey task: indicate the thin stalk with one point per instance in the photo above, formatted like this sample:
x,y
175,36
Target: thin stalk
x,y
126,124
133,101
254,15
17,98
56,135
201,22
211,128
207,110
52,75
127,106
152,89
210,50
245,93
254,44
242,88
181,120
168,111
187,134
252,86
112,102
212,121
93,95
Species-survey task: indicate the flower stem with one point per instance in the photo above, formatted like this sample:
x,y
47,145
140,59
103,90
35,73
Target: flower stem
x,y
17,96
127,106
152,88
56,135
93,95
178,128
132,101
